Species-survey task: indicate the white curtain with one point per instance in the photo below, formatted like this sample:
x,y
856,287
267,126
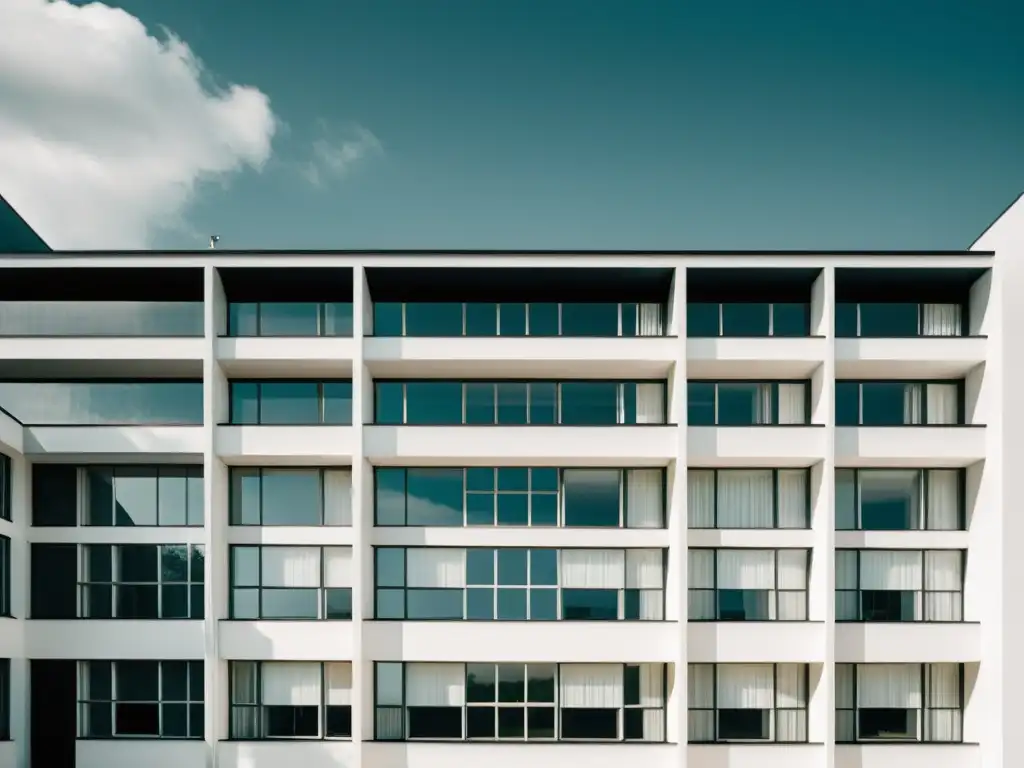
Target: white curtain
x,y
940,320
650,403
746,569
889,686
644,571
290,566
847,602
337,497
943,577
337,567
845,717
700,690
943,719
895,569
652,697
912,397
338,675
943,499
792,578
245,721
435,685
645,495
650,320
791,700
700,498
436,567
593,568
590,686
763,404
291,683
846,500
793,403
793,500
745,498
700,569
942,403
746,686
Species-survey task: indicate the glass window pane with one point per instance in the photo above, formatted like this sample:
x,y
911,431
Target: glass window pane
x,y
389,684
481,319
197,565
174,562
433,402
743,319
293,402
337,402
245,497
846,500
137,562
702,320
543,319
390,566
540,683
390,604
544,479
590,604
847,404
512,567
289,603
98,562
137,601
242,319
543,605
586,319
700,403
245,407
389,403
480,479
245,604
338,603
481,683
137,680
434,497
480,508
196,496
390,496
791,319
175,680
543,403
337,319
888,320
629,313
289,319
387,318
591,497
890,500
433,319
480,403
480,604
173,496
512,604
100,499
291,497
885,403
513,509
512,683
480,566
513,478
589,403
135,496
245,566
433,604
511,403
544,509
512,319
544,566
744,404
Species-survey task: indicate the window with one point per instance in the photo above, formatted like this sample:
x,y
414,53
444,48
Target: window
x,y
6,482
520,496
748,498
291,582
291,496
136,699
439,319
899,702
747,319
898,319
435,583
574,403
291,700
520,702
116,403
303,403
5,576
899,585
747,702
898,403
141,581
900,499
124,319
748,584
280,318
747,403
5,699
119,496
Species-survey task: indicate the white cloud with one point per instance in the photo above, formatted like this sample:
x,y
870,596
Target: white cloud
x,y
335,157
105,130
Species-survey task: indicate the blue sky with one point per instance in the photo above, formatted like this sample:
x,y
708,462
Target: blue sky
x,y
617,123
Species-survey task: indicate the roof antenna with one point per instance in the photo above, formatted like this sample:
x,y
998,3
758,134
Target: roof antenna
x,y
214,239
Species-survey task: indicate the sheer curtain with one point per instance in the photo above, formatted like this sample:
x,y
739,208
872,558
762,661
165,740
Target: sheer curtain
x,y
645,497
291,684
940,320
792,578
943,720
793,498
700,498
745,498
763,405
791,700
437,567
337,497
700,689
847,599
245,721
943,578
752,569
943,402
889,686
593,568
652,698
650,403
845,716
435,685
290,566
897,570
700,567
943,499
590,686
338,675
644,572
747,686
793,403
912,397
650,323
337,567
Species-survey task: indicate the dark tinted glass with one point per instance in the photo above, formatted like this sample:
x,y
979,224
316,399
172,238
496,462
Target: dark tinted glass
x,y
481,320
289,603
295,402
543,319
590,604
543,403
243,319
337,402
135,496
100,496
791,319
480,683
580,319
433,402
390,496
245,496
589,403
884,403
890,499
511,398
389,403
590,724
700,403
745,404
433,319
433,604
591,498
54,575
387,319
289,319
479,403
702,320
846,320
245,407
291,497
434,497
512,319
54,495
888,320
741,319
479,566
847,404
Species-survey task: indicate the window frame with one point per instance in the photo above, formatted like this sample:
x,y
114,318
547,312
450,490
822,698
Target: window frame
x,y
922,593
5,699
773,383
775,590
961,400
321,590
771,320
234,519
321,402
6,485
924,512
321,320
716,471
5,577
963,305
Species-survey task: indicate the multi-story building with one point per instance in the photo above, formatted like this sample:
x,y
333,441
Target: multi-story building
x,y
415,510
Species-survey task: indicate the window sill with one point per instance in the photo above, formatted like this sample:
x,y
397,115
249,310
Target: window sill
x,y
304,620
527,337
905,743
292,740
756,743
860,622
917,426
919,336
116,739
525,743
760,426
527,426
764,337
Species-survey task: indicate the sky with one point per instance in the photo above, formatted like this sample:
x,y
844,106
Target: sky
x,y
512,124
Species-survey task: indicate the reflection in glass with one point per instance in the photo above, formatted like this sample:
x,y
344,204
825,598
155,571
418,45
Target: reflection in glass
x,y
889,320
289,402
290,497
583,319
290,319
589,403
433,319
434,497
135,497
101,318
433,402
591,497
742,319
890,499
102,402
433,604
700,398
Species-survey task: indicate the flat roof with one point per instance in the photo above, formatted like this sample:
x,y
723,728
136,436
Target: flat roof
x,y
493,252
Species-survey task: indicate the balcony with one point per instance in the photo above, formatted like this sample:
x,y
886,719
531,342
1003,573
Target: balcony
x,y
755,642
286,640
511,755
910,446
744,358
908,642
537,641
756,446
922,357
114,639
908,756
123,443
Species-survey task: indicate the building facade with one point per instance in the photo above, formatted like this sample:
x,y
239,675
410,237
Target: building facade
x,y
430,509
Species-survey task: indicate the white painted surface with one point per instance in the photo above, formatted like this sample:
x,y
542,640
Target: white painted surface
x,y
756,642
926,446
135,753
114,639
328,357
773,358
290,640
755,755
280,444
936,357
428,755
909,756
129,444
286,754
908,643
790,446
